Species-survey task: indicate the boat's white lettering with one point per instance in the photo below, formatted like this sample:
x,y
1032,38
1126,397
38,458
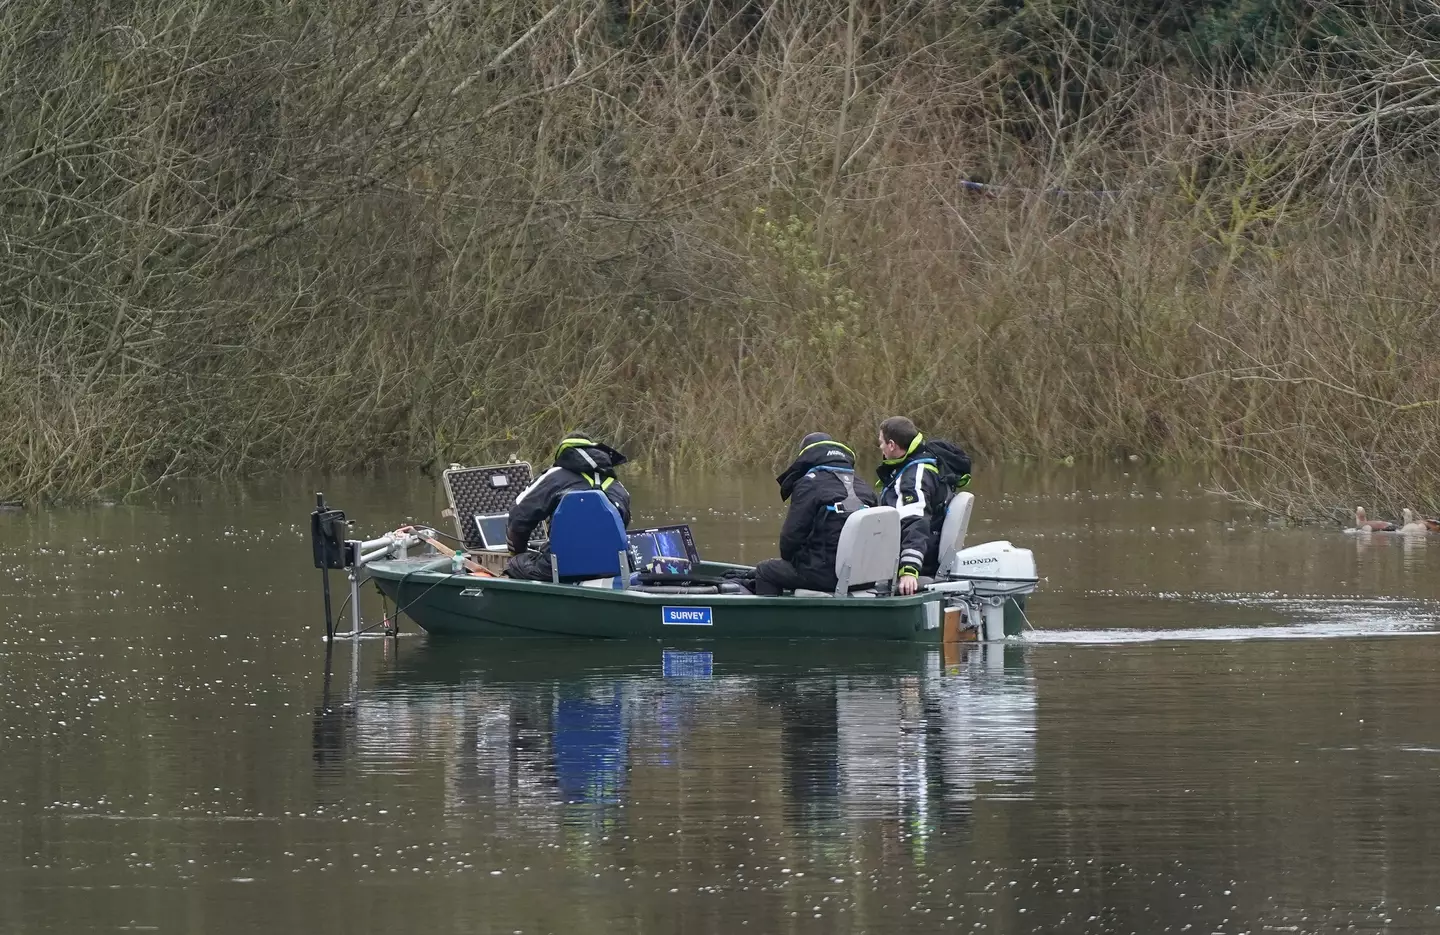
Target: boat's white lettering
x,y
687,616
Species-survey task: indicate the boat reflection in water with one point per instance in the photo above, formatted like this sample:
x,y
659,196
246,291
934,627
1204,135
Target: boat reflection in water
x,y
539,736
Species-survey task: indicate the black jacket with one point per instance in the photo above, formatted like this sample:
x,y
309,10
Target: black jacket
x,y
811,534
920,486
580,464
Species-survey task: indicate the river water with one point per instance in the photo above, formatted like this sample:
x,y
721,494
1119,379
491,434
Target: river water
x,y
1215,726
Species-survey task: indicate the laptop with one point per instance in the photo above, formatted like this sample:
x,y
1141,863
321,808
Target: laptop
x,y
491,529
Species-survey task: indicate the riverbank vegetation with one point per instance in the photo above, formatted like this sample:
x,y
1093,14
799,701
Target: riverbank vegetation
x,y
276,235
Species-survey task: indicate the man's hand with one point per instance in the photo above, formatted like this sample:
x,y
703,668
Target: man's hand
x,y
909,584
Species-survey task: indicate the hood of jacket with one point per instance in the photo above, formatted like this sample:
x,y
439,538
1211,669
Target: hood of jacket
x,y
828,453
584,456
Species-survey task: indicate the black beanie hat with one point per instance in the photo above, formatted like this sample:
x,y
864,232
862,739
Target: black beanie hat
x,y
814,437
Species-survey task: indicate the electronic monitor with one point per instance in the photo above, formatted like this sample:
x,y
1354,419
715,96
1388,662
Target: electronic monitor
x,y
662,542
491,527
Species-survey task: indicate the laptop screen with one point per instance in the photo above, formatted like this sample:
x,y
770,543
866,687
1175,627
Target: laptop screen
x,y
662,542
492,529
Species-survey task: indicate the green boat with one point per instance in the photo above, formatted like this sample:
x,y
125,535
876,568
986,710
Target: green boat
x,y
499,607
979,594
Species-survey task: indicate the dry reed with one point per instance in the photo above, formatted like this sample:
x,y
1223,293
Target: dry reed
x,y
280,235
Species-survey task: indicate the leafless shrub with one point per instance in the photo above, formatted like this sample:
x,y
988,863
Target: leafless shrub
x,y
435,230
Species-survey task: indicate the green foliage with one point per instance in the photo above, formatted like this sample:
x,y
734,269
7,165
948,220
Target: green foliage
x,y
1235,37
831,313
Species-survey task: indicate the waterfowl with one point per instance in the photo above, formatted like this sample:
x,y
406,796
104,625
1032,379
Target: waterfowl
x,y
1411,524
1374,525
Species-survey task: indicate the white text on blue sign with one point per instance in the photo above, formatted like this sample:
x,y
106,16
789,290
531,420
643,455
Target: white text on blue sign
x,y
685,616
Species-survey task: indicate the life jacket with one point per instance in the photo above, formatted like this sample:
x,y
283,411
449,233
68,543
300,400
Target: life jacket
x,y
946,460
851,501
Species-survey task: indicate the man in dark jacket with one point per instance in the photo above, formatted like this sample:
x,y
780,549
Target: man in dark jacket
x,y
580,464
918,478
820,485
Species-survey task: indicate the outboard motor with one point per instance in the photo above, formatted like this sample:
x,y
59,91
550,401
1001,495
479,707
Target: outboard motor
x,y
983,578
997,569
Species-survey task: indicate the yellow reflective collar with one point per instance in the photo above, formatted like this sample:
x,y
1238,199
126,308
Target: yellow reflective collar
x,y
915,442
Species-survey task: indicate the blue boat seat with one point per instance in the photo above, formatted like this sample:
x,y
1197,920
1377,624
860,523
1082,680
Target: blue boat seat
x,y
587,539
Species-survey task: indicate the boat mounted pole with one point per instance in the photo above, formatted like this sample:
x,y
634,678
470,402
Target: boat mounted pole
x,y
325,577
355,668
356,570
329,618
326,525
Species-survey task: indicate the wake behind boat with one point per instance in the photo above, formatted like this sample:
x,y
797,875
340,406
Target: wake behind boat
x,y
654,584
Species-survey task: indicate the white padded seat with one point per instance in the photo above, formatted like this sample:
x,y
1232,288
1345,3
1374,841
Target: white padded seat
x,y
868,554
869,549
952,531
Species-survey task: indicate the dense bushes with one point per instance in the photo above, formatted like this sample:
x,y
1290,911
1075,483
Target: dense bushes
x,y
246,237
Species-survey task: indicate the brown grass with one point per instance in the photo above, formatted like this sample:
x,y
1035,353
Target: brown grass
x,y
264,237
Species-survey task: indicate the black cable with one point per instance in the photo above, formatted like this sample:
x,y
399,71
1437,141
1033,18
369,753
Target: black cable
x,y
343,604
408,604
399,588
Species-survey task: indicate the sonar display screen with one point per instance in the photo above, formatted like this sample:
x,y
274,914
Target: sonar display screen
x,y
665,542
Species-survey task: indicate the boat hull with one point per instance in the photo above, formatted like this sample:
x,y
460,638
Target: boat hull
x,y
477,606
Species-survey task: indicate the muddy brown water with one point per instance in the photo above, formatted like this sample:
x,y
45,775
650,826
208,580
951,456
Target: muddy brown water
x,y
1215,726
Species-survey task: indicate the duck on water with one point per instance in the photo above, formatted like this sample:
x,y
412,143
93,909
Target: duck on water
x,y
1411,523
1415,524
1371,525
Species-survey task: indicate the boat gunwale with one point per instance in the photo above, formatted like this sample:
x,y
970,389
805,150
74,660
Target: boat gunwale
x,y
386,568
